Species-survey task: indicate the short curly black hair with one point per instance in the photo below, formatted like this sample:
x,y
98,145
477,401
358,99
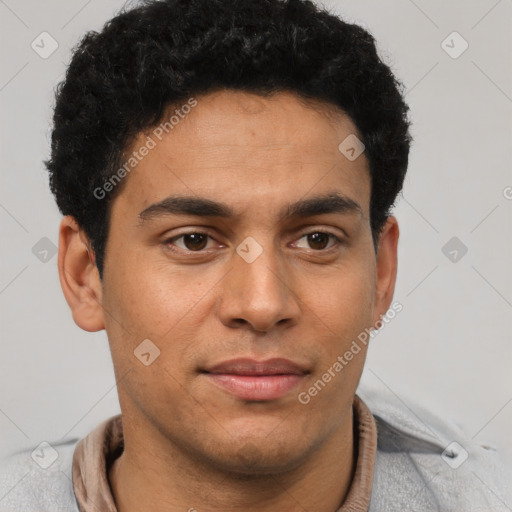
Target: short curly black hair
x,y
121,81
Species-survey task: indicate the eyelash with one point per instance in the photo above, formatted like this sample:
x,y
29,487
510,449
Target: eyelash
x,y
169,241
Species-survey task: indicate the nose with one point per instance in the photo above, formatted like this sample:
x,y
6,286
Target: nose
x,y
258,294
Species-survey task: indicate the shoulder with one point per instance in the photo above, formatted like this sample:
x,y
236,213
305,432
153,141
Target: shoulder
x,y
39,479
425,463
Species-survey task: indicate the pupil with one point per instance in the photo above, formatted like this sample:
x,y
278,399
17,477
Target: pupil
x,y
318,238
195,241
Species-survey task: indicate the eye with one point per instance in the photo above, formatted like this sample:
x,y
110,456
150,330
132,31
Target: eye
x,y
319,240
194,241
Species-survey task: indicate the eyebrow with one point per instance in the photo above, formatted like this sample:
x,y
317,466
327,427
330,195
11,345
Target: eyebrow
x,y
203,207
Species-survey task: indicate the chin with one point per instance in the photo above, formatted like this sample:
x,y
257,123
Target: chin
x,y
259,456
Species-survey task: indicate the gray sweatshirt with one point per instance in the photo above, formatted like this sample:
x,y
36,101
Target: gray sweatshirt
x,y
421,464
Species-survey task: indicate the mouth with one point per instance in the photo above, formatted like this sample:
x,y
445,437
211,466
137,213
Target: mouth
x,y
253,380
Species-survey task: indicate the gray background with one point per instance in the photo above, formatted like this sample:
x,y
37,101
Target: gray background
x,y
448,350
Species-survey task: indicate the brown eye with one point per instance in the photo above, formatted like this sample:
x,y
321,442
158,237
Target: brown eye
x,y
195,241
318,241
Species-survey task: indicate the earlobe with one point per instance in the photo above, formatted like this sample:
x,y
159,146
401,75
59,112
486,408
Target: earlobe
x,y
387,260
79,277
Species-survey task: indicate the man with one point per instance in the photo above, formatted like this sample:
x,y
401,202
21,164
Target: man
x,y
226,170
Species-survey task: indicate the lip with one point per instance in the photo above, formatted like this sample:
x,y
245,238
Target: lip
x,y
253,380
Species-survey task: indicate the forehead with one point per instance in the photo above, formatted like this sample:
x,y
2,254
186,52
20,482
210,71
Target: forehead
x,y
236,118
240,147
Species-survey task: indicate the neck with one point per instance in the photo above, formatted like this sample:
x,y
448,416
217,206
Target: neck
x,y
143,478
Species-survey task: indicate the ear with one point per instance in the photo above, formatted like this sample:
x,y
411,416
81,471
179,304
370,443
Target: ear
x,y
79,276
386,267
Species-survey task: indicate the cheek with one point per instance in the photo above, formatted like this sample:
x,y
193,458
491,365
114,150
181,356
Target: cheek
x,y
345,307
162,304
345,301
149,298
153,304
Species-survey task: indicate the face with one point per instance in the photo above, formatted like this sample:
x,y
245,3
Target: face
x,y
251,288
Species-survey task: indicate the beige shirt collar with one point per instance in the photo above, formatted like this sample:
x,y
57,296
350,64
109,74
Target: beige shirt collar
x,y
95,453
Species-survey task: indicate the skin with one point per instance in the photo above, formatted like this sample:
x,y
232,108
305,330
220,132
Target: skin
x,y
189,443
